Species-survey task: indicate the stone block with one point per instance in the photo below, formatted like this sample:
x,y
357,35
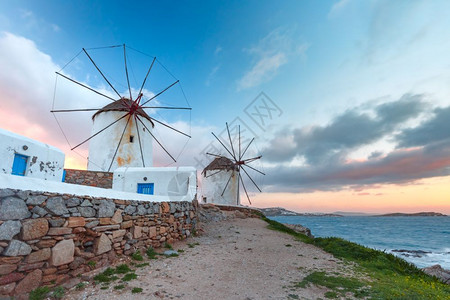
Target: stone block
x,y
152,232
9,229
165,207
105,221
13,277
126,224
79,230
130,209
117,217
12,208
118,233
141,210
17,248
106,209
59,231
57,206
106,228
76,222
72,202
34,229
87,211
46,243
86,203
102,244
62,253
29,283
56,222
136,231
28,267
37,210
92,224
6,269
36,199
7,288
39,255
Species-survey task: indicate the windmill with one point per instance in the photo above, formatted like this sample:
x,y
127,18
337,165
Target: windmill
x,y
231,167
123,130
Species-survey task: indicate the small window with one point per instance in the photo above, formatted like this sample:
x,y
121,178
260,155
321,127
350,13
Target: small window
x,y
19,165
145,188
131,138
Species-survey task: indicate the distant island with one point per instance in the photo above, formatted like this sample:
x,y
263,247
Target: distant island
x,y
419,214
279,211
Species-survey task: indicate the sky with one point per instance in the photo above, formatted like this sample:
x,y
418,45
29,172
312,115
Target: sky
x,y
348,101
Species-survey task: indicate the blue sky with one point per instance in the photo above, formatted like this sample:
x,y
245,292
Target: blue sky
x,y
323,63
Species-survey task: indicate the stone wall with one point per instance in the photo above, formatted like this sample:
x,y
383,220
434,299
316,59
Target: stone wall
x,y
90,178
49,239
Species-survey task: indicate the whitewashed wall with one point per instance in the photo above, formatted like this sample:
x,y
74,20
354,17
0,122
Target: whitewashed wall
x,y
103,146
176,183
44,161
214,185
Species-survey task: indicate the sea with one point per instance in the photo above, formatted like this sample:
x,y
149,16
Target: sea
x,y
423,241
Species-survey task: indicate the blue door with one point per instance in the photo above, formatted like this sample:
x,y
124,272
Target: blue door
x,y
19,164
145,188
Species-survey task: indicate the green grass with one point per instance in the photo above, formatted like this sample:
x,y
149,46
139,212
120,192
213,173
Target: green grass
x,y
119,287
338,285
122,269
180,251
107,276
168,246
137,256
129,277
151,253
80,286
105,287
136,290
142,265
58,292
39,293
389,277
91,263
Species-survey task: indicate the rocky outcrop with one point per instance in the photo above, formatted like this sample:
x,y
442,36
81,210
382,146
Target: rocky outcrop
x,y
438,272
300,229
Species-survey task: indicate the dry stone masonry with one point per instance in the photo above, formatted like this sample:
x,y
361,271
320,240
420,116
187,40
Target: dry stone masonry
x,y
90,178
49,239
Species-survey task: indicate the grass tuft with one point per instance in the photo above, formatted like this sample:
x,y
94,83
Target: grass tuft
x,y
151,253
137,256
136,290
119,287
168,246
39,293
129,277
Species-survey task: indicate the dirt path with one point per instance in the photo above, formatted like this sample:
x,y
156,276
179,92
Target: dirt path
x,y
234,259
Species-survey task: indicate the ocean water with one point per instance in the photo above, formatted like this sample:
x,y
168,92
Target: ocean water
x,y
423,241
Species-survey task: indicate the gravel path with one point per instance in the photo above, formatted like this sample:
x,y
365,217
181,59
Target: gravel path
x,y
234,259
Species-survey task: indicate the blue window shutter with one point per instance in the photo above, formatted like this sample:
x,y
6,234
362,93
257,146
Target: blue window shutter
x,y
145,188
19,164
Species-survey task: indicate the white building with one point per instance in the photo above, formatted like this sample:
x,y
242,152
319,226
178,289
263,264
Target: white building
x,y
176,183
105,153
220,182
23,156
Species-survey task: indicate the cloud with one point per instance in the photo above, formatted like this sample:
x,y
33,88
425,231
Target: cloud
x,y
271,52
337,7
433,130
422,151
349,130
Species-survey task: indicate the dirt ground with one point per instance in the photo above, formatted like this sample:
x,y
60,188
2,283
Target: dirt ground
x,y
234,259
